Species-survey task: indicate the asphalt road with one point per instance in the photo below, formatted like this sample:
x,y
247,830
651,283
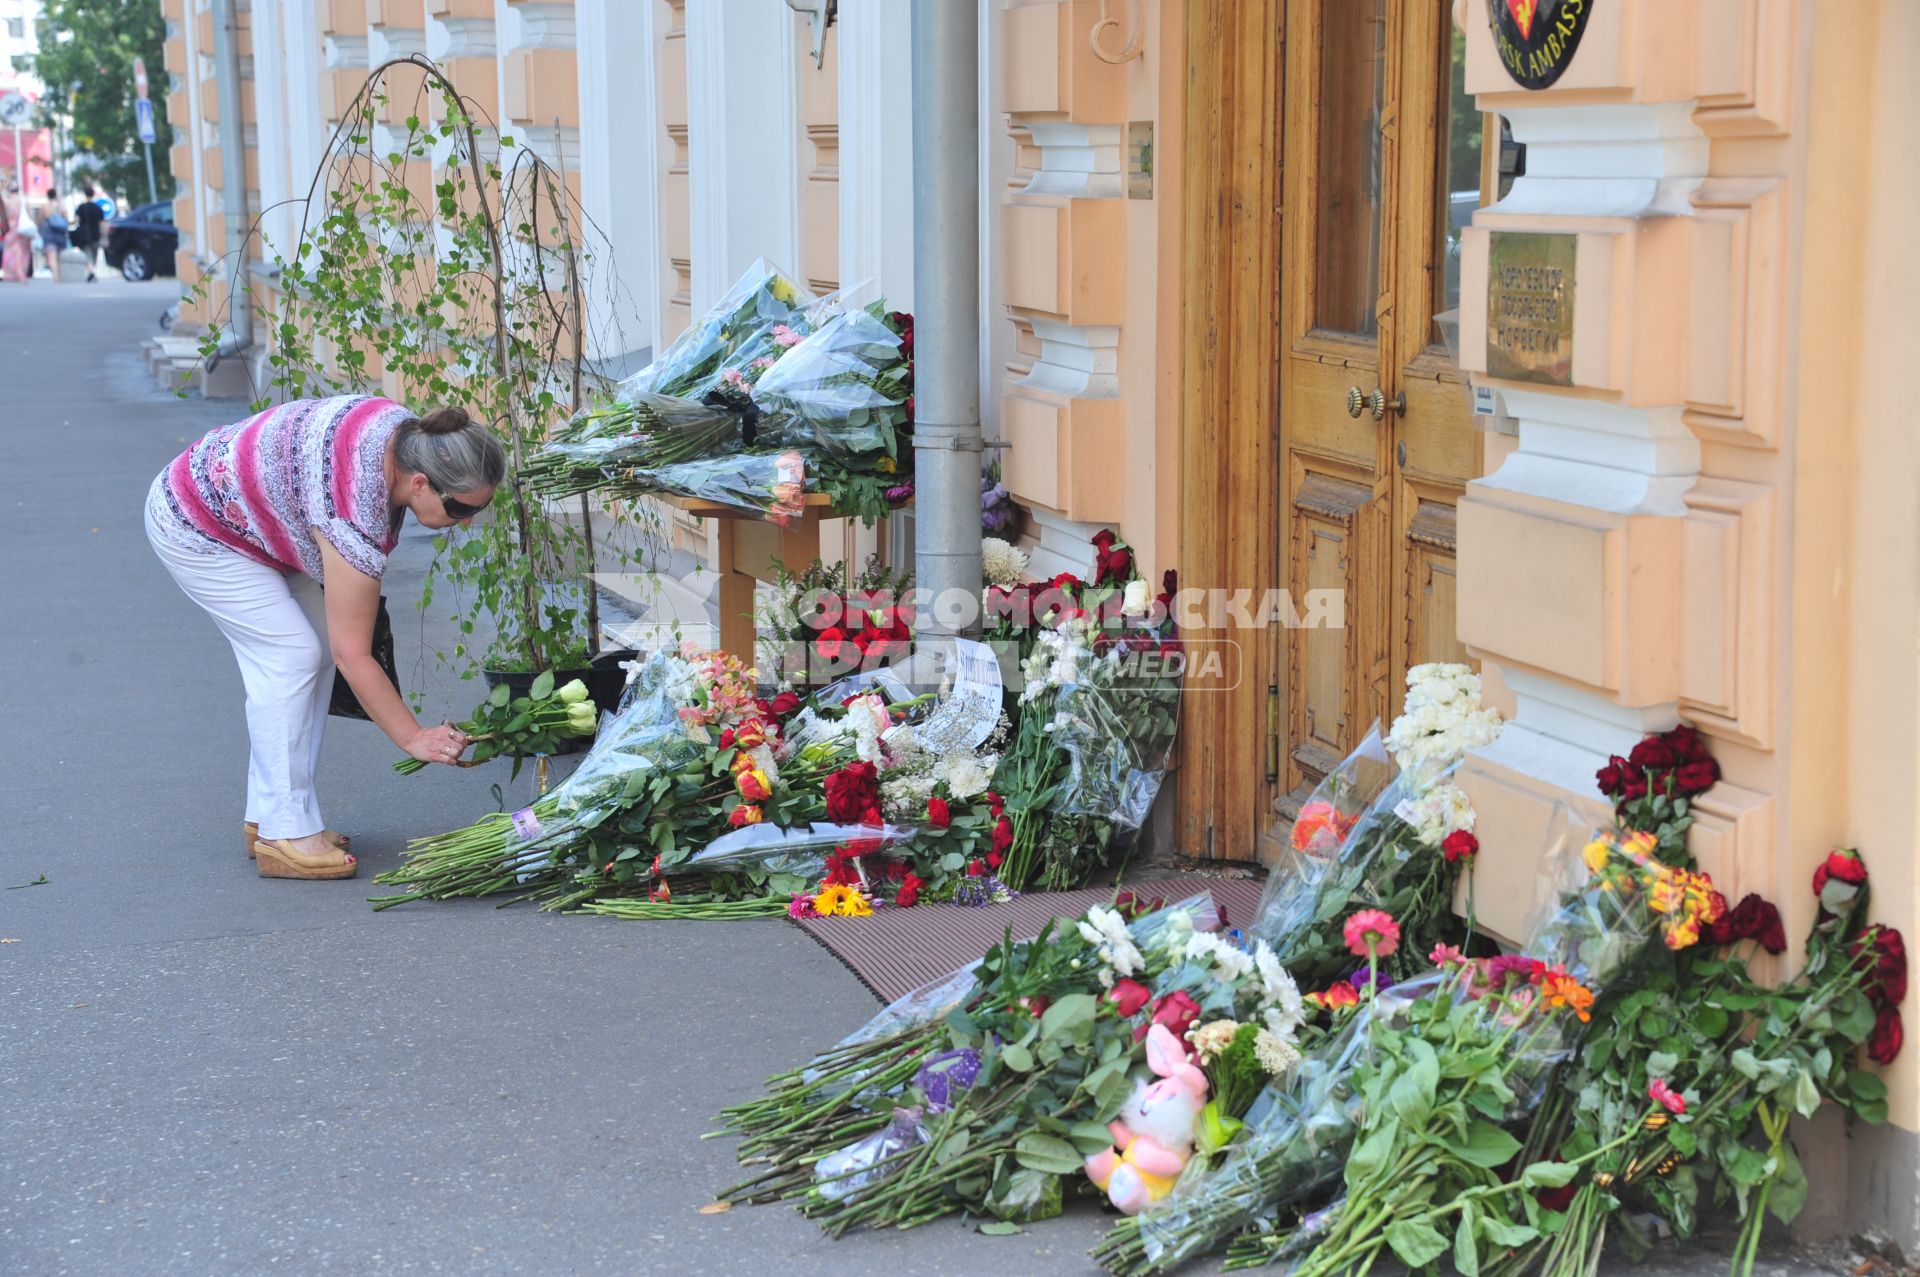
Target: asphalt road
x,y
205,1072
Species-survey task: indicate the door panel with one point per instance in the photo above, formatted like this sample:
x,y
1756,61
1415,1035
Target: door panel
x,y
1379,135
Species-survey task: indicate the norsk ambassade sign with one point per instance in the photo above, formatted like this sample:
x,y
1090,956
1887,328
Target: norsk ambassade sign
x,y
1537,38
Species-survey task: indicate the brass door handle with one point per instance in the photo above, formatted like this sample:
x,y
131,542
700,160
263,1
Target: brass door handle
x,y
1356,402
1379,402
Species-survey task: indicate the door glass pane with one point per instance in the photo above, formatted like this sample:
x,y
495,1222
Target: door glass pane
x,y
1353,50
1456,182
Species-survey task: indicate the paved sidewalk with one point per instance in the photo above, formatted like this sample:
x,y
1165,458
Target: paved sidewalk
x,y
205,1072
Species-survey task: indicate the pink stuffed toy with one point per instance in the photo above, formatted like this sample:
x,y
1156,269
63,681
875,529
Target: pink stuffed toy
x,y
1153,1136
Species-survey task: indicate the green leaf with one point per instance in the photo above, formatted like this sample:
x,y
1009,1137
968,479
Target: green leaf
x,y
1466,1255
1806,1095
1090,1137
1866,1086
999,1228
1069,1016
1485,1145
1853,1016
1745,1063
1549,1174
1790,1188
1417,1244
501,695
1018,1058
1047,1153
1506,1232
1413,1091
1370,1158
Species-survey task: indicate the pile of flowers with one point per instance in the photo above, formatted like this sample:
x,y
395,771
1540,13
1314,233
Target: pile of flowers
x,y
772,394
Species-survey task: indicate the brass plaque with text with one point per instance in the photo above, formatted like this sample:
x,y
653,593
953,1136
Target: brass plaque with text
x,y
1530,307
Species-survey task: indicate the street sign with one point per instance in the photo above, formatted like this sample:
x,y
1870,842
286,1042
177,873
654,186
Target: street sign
x,y
15,111
143,118
140,78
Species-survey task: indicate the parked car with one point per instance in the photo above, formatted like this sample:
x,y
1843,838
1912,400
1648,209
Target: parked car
x,y
140,243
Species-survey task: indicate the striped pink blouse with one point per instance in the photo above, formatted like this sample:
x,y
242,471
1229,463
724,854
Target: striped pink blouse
x,y
261,487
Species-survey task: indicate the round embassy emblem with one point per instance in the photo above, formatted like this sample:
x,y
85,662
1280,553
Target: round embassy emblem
x,y
1536,38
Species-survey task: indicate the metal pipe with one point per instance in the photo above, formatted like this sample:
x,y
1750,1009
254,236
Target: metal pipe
x,y
233,176
946,323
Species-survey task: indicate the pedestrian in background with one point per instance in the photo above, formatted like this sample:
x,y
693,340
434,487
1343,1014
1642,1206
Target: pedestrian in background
x,y
86,227
16,257
252,520
54,228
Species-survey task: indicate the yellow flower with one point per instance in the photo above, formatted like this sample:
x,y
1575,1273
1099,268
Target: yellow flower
x,y
1640,844
837,899
885,465
783,290
1596,854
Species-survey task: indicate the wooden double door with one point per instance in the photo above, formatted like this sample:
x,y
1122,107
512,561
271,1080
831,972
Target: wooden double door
x,y
1348,406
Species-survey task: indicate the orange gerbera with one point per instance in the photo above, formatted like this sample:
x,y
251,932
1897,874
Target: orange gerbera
x,y
1321,826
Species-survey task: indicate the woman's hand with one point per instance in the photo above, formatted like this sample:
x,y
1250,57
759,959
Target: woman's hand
x,y
442,744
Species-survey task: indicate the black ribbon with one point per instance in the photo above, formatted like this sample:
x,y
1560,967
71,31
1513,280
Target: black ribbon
x,y
744,408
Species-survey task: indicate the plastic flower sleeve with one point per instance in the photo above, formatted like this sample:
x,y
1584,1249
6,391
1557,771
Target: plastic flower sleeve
x,y
1116,729
744,316
840,390
802,850
1319,849
765,483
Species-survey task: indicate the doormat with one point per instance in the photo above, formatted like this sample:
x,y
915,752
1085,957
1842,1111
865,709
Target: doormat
x,y
895,951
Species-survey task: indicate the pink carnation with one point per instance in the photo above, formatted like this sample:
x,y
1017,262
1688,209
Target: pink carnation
x,y
784,336
1660,1093
1376,925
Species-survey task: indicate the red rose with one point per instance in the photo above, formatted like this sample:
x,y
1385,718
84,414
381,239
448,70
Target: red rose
x,y
1613,777
1035,1006
1688,745
1556,1199
751,733
726,738
1844,865
1884,1042
1128,996
995,860
744,814
1002,835
1131,906
939,815
1883,953
1104,539
976,869
1459,845
1116,564
851,792
1171,647
1170,582
1771,935
1694,778
908,893
1652,754
784,704
996,802
1634,789
909,407
1175,1010
842,870
1067,581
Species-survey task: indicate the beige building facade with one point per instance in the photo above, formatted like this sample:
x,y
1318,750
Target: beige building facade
x,y
1592,381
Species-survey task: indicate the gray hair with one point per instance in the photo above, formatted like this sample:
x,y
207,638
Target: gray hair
x,y
455,452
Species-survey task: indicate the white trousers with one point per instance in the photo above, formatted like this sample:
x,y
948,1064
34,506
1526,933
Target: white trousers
x,y
278,627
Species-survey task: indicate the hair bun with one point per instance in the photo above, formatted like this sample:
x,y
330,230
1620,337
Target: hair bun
x,y
445,421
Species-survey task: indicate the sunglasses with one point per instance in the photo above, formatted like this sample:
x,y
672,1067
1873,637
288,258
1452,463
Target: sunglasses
x,y
455,508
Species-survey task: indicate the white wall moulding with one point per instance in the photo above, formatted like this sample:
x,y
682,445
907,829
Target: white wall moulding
x,y
1078,161
1075,362
1727,609
545,24
464,37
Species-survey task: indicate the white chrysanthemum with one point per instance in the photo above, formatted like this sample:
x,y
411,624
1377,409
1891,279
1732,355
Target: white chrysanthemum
x,y
1211,1038
1443,718
1276,1054
966,775
1106,931
1440,811
1279,995
1230,963
1133,601
1001,564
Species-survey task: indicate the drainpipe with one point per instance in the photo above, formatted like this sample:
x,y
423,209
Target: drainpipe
x,y
233,177
946,322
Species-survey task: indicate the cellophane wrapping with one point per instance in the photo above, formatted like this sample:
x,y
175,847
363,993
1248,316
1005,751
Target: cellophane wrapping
x,y
1298,1134
841,391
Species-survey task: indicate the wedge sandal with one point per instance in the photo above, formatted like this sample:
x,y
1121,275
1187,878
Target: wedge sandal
x,y
277,858
250,834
